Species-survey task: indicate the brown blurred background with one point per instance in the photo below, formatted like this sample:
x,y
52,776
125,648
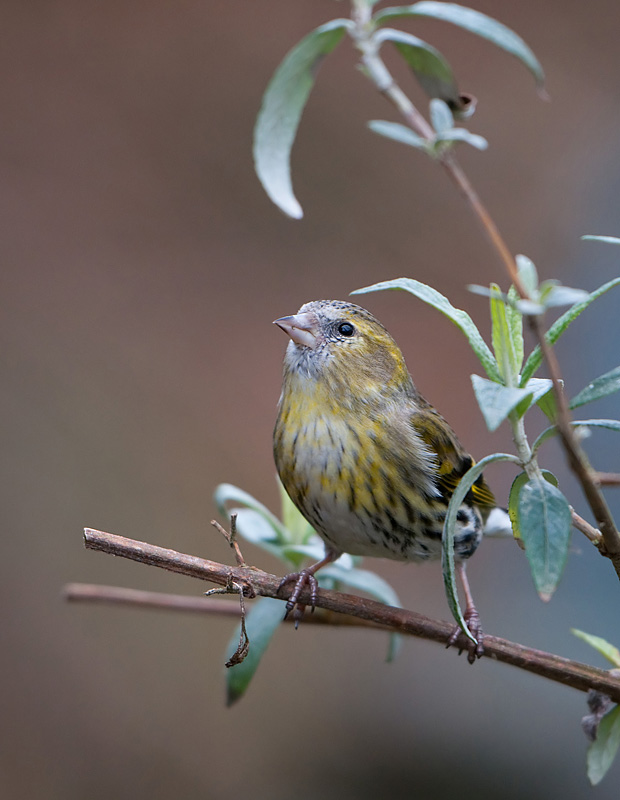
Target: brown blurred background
x,y
142,265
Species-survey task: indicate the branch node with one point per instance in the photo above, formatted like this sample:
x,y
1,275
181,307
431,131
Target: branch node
x,y
231,538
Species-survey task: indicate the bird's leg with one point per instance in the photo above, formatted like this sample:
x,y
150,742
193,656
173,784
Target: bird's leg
x,y
472,618
305,578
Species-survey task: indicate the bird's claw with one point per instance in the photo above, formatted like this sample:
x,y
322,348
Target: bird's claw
x,y
457,637
302,579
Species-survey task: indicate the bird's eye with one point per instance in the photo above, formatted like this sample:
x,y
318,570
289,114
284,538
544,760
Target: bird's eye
x,y
346,329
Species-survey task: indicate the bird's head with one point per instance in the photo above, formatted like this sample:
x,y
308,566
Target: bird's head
x,y
345,348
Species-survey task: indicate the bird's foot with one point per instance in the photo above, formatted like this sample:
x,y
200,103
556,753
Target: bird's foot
x,y
457,637
304,579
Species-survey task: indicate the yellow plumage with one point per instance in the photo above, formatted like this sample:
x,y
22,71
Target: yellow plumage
x,y
368,462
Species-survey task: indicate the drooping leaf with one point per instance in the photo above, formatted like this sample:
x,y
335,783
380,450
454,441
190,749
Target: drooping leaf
x,y
459,317
474,22
534,359
600,387
262,621
449,530
428,65
602,751
540,388
497,401
608,424
544,522
281,110
513,498
399,133
601,645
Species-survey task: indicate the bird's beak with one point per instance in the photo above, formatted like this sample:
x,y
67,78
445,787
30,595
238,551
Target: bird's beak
x,y
302,328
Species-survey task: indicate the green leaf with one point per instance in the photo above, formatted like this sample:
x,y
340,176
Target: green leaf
x,y
298,527
559,326
364,581
281,110
528,274
547,404
460,318
261,623
600,387
441,116
474,22
462,135
227,493
428,65
497,401
606,239
515,328
553,294
449,529
501,334
602,751
601,645
608,424
544,522
400,133
513,498
540,388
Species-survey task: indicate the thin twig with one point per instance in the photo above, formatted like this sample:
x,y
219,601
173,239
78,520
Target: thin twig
x,y
607,478
562,670
583,526
163,601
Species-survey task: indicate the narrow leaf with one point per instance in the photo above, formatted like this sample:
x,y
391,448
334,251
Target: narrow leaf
x,y
608,424
364,581
227,493
601,645
441,116
602,751
281,110
449,529
527,272
497,401
559,326
428,65
544,521
502,339
459,317
515,328
261,623
474,22
463,135
607,239
399,133
600,387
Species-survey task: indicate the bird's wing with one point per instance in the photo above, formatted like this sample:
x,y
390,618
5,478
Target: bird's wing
x,y
452,460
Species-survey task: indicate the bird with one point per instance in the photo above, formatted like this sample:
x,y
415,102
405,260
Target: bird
x,y
365,458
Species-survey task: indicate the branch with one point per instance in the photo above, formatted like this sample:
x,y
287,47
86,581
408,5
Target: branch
x,y
378,73
161,601
562,670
